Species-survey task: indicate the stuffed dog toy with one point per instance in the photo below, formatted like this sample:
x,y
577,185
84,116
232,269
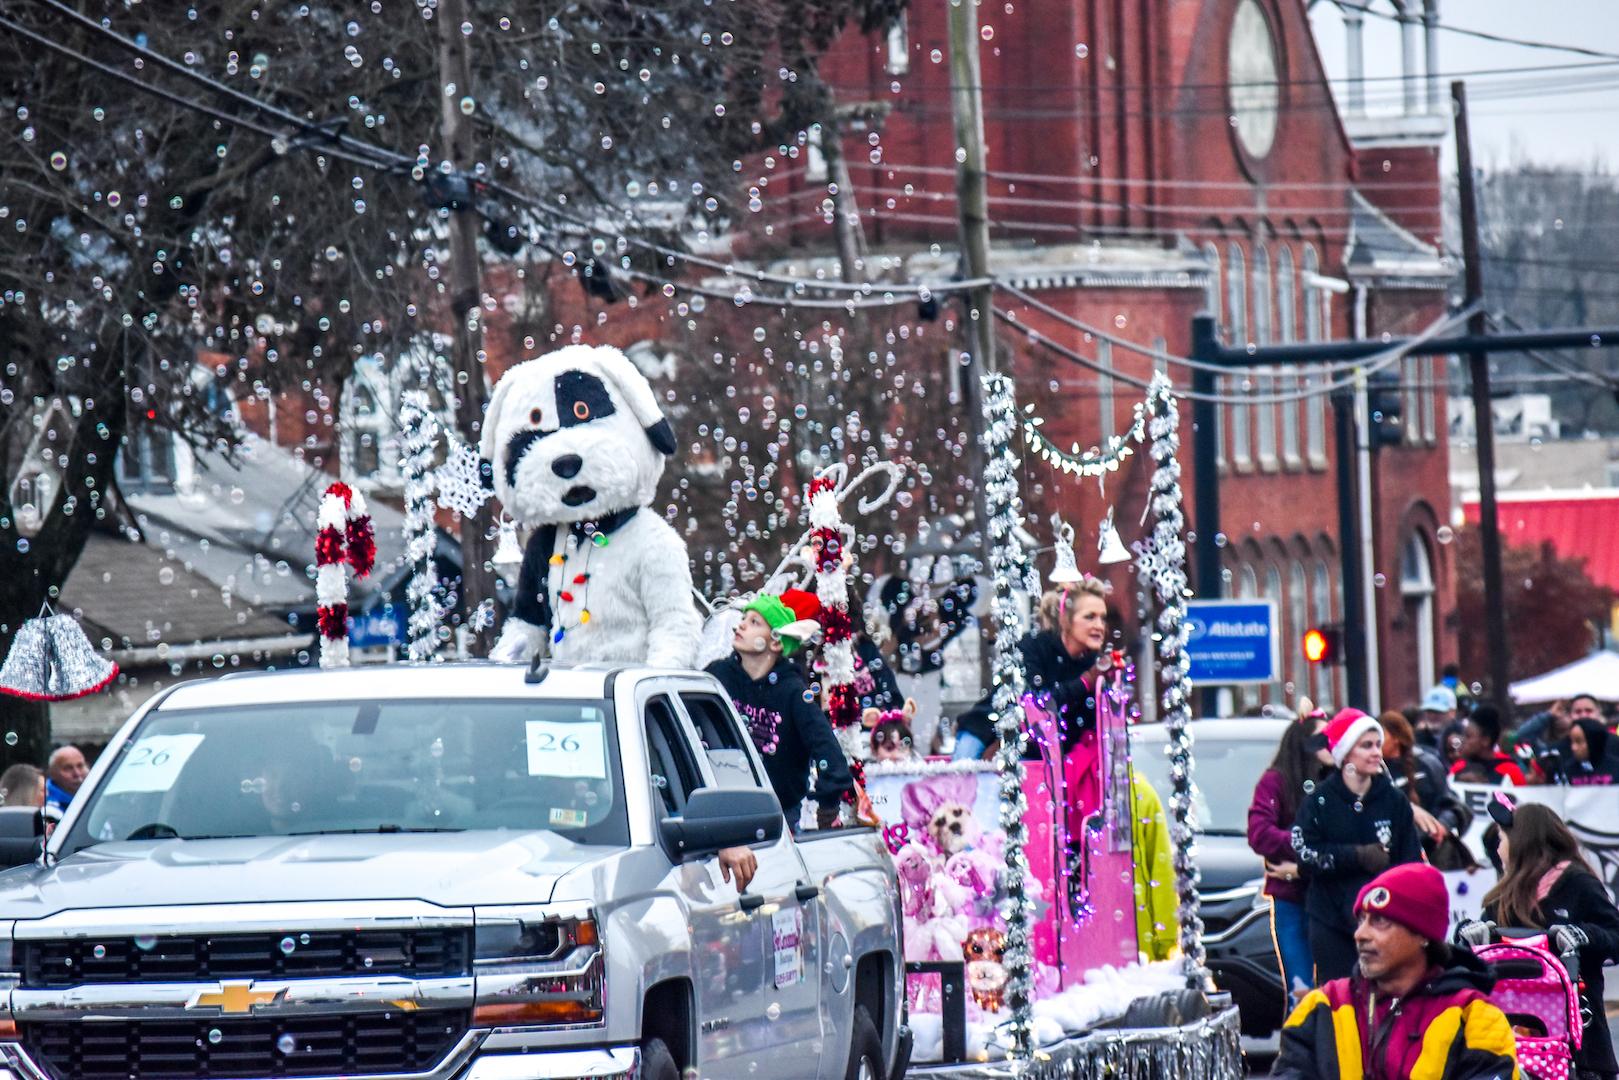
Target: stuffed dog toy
x,y
573,444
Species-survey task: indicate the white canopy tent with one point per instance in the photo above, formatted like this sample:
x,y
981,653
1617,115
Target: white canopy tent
x,y
1597,675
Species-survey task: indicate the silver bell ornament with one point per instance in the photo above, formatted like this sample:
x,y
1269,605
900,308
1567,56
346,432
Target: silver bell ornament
x,y
52,660
1067,569
508,557
1108,543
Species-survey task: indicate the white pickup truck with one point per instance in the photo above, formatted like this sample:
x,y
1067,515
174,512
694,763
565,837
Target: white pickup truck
x,y
441,872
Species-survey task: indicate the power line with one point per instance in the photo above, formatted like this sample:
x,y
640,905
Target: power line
x,y
1366,9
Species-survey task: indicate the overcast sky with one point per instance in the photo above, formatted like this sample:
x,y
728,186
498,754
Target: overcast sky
x,y
1568,118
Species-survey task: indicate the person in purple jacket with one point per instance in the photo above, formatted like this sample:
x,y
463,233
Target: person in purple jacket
x,y
1300,756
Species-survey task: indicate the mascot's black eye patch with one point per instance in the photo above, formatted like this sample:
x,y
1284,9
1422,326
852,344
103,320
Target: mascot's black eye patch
x,y
581,398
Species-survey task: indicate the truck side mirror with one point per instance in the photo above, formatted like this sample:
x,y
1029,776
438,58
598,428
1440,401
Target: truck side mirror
x,y
718,818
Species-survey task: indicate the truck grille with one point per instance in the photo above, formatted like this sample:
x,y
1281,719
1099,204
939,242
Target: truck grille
x,y
356,1044
418,954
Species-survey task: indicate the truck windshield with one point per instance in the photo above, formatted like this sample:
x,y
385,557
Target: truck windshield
x,y
363,767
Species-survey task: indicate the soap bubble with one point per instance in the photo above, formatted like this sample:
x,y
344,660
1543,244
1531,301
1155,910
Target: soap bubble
x,y
58,161
287,945
286,1044
758,333
165,575
1082,50
214,1035
1444,534
11,738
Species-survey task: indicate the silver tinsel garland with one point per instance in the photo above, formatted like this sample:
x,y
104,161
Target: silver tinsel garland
x,y
1162,561
419,431
1208,1049
1011,570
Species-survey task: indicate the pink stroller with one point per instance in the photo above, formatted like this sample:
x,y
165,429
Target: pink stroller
x,y
1540,1001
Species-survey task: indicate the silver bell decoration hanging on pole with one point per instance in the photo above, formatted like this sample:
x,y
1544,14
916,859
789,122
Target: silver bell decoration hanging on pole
x,y
508,557
1112,549
1067,568
52,660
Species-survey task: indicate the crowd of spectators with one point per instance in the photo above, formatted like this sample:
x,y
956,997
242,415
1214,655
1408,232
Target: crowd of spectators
x,y
1351,799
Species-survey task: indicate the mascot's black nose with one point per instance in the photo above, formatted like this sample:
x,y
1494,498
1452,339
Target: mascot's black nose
x,y
567,466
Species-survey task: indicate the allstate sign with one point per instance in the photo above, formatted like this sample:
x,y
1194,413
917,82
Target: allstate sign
x,y
1233,641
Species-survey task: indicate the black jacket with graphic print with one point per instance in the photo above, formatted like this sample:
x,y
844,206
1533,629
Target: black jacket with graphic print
x,y
1328,831
790,731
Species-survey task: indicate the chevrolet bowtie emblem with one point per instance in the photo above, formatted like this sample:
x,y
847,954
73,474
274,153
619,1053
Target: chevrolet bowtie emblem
x,y
236,997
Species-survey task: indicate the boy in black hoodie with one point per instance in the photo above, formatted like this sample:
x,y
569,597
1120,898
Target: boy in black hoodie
x,y
787,726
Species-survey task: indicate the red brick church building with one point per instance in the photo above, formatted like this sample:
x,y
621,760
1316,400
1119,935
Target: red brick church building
x,y
1150,159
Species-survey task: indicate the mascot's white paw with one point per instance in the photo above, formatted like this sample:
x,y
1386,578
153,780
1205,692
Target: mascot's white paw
x,y
518,643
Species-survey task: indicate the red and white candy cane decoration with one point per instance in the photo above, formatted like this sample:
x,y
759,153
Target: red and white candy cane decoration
x,y
831,549
344,539
827,542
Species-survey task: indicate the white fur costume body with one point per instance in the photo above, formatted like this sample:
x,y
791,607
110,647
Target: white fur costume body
x,y
576,444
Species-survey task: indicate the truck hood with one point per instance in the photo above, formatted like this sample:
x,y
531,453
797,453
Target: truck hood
x,y
461,869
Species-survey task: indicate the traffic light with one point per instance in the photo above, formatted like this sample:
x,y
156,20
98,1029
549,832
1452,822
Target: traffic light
x,y
1324,645
1386,405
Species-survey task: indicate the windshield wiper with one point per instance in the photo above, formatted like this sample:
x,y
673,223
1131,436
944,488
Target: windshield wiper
x,y
386,828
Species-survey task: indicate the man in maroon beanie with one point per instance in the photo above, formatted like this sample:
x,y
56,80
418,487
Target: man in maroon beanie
x,y
1412,1007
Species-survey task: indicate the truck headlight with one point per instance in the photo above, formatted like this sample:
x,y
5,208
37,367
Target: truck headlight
x,y
537,971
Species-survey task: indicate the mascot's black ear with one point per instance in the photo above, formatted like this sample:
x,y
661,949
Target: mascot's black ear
x,y
662,437
486,475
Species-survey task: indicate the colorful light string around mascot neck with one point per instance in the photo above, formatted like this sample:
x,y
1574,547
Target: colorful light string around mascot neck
x,y
344,541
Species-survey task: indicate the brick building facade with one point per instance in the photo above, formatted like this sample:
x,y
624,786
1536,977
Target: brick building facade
x,y
1148,160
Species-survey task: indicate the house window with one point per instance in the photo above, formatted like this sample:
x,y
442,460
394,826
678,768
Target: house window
x,y
1298,611
1211,291
1241,446
1104,395
1248,589
1321,595
1236,285
1416,589
1286,296
146,462
899,46
1265,417
1274,692
1160,366
1261,295
1312,309
1289,384
1434,367
1411,371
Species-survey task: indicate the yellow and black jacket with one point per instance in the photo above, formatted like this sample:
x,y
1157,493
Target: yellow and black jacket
x,y
1442,1030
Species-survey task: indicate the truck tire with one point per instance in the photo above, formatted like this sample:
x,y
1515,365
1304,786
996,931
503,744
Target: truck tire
x,y
865,1048
657,1063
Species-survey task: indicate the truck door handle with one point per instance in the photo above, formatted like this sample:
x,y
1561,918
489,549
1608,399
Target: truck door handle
x,y
805,893
750,901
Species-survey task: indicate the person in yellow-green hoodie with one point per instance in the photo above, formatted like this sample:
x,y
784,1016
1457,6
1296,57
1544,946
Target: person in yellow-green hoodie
x,y
1157,929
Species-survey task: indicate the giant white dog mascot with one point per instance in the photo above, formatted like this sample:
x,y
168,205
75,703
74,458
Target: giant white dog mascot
x,y
575,444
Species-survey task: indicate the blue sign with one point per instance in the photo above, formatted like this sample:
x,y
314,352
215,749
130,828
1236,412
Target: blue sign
x,y
1233,641
382,625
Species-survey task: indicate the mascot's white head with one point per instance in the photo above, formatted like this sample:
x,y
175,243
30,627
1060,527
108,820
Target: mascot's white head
x,y
573,436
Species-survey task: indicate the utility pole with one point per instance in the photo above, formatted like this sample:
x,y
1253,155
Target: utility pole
x,y
1478,363
455,88
1355,624
972,186
972,202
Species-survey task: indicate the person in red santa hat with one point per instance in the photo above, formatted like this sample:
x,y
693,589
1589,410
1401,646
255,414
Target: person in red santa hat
x,y
1352,825
788,727
1413,1005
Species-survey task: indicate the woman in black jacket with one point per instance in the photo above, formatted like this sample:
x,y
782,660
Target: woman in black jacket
x,y
1547,885
1351,827
1061,661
